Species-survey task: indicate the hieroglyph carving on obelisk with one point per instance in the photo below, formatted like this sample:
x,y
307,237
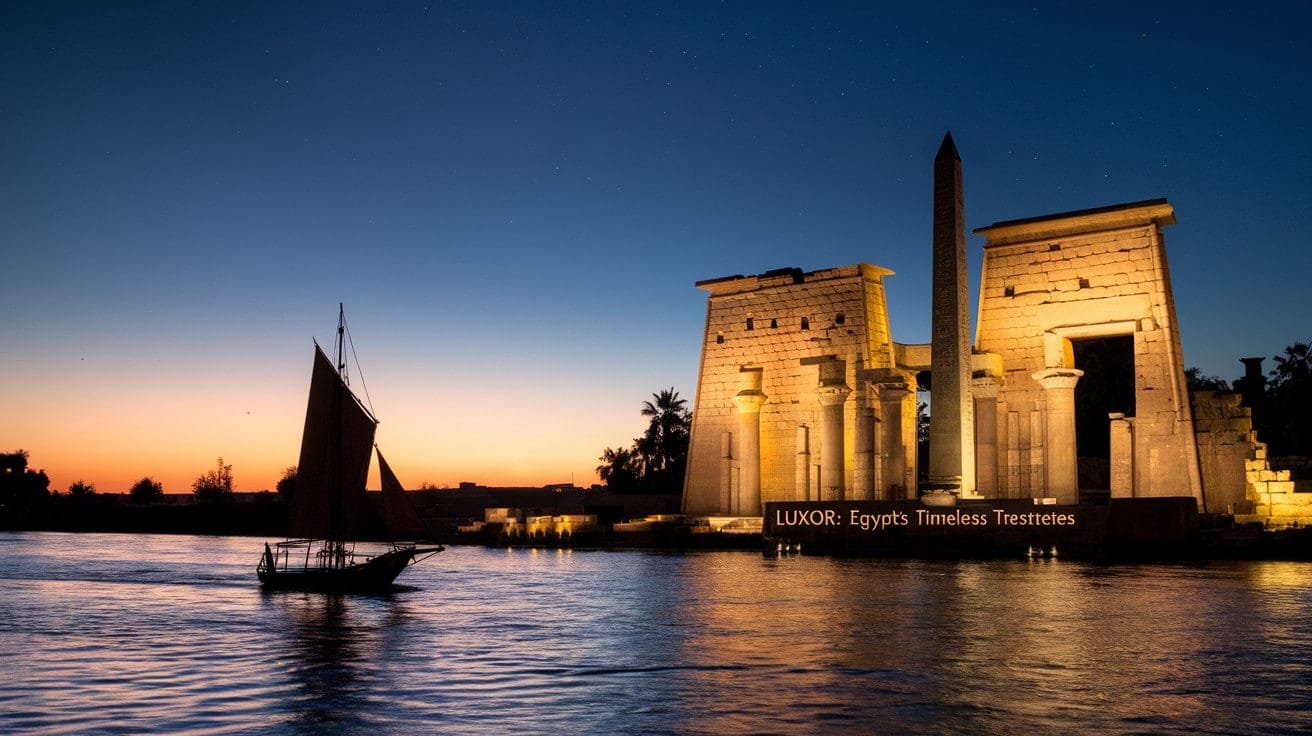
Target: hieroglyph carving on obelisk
x,y
951,426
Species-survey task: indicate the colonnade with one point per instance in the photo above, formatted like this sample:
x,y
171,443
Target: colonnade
x,y
880,467
881,444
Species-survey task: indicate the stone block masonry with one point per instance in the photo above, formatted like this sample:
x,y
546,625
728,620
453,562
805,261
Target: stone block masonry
x,y
788,404
1094,273
803,396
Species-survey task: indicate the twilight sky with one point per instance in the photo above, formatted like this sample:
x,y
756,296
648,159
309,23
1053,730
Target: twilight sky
x,y
514,200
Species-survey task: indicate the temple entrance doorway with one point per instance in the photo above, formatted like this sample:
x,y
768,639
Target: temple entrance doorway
x,y
1107,386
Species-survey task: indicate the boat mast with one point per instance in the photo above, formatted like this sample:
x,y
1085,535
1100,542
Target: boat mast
x,y
337,485
341,339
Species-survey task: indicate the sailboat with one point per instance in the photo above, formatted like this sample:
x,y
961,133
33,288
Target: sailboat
x,y
330,510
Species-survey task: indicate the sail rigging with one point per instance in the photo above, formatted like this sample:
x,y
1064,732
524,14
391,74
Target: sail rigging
x,y
330,509
329,501
399,514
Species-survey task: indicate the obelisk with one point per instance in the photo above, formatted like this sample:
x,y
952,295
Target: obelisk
x,y
951,413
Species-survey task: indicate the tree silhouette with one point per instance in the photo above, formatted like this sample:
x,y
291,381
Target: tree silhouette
x,y
287,483
1295,366
1289,402
80,489
215,485
1196,380
620,470
146,490
663,448
657,459
20,486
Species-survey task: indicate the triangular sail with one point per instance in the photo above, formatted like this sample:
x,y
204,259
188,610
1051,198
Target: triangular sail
x,y
336,446
399,514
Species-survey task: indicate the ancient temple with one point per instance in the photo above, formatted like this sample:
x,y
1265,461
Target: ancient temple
x,y
798,375
1048,285
802,394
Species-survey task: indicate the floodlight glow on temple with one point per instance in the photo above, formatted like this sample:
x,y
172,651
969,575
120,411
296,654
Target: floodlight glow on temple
x,y
803,396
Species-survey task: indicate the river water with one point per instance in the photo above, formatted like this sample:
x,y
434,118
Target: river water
x,y
171,634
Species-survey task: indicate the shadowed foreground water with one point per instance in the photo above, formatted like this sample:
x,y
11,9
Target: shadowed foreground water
x,y
164,634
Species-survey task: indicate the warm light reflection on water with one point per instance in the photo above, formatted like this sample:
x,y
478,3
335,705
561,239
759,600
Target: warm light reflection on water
x,y
163,634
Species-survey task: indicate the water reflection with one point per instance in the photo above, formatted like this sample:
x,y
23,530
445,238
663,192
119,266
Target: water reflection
x,y
599,643
335,645
977,647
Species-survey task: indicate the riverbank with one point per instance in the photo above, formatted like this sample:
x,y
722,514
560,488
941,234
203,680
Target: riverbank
x,y
561,518
265,513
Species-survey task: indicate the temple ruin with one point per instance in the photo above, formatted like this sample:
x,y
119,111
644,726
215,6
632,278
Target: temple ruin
x,y
803,395
798,374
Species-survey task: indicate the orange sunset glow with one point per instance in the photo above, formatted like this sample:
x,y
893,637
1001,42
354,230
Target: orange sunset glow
x,y
111,429
516,227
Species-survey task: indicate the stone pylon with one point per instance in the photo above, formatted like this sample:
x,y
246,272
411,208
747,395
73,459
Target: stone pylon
x,y
951,419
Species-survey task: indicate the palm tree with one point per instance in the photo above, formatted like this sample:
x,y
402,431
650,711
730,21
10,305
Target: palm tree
x,y
657,458
1294,366
619,469
664,446
1289,402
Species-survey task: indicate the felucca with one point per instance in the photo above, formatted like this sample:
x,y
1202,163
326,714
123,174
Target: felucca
x,y
330,511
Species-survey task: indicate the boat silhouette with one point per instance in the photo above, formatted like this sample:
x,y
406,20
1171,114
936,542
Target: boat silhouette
x,y
330,511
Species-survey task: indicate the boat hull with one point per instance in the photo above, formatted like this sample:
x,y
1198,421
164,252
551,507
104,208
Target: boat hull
x,y
375,574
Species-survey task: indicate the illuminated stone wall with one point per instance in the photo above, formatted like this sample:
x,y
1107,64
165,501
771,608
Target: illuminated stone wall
x,y
1090,274
1237,476
802,395
788,360
1226,444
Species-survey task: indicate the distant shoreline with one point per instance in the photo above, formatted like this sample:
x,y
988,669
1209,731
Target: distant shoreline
x,y
265,513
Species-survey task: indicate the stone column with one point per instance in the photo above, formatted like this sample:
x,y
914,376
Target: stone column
x,y
1059,394
985,391
863,465
749,400
892,445
728,499
803,476
833,393
1122,455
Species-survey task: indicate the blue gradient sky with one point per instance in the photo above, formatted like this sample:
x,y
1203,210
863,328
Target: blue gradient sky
x,y
514,201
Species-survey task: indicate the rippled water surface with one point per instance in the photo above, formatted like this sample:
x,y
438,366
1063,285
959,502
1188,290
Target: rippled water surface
x,y
165,634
